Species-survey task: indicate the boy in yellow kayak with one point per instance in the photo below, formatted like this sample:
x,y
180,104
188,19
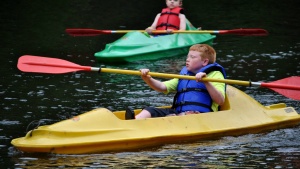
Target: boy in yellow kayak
x,y
170,18
193,96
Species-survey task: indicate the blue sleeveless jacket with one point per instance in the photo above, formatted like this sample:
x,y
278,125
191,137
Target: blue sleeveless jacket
x,y
192,95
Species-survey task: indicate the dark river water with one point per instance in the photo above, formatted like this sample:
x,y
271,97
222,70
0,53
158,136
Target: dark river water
x,y
38,28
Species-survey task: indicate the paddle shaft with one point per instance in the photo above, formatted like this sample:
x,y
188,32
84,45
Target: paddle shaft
x,y
164,75
28,63
227,81
173,31
95,32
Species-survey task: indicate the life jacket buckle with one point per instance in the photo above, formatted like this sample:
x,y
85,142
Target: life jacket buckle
x,y
183,90
182,103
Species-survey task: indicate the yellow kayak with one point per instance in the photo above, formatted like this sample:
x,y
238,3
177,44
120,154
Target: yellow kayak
x,y
101,130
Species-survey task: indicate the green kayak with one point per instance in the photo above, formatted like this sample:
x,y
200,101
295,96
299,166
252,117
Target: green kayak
x,y
135,46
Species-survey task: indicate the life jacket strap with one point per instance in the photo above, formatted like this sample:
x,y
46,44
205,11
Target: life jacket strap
x,y
193,103
192,89
167,25
169,13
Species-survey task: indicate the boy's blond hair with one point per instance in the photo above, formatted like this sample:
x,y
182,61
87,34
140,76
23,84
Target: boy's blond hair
x,y
207,52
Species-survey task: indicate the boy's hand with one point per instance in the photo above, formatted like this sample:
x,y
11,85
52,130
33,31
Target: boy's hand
x,y
149,30
199,76
144,74
169,31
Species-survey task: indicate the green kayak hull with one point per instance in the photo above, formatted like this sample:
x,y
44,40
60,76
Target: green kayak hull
x,y
136,46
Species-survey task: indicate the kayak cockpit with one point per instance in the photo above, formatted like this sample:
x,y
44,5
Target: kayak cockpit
x,y
121,114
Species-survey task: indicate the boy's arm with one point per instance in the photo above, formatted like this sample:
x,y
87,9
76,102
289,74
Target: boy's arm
x,y
153,83
156,84
154,24
216,95
182,22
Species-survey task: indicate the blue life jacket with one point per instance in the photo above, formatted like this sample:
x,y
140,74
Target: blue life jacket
x,y
192,95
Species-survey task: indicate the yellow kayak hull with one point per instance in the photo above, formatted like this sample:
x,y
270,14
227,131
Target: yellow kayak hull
x,y
101,130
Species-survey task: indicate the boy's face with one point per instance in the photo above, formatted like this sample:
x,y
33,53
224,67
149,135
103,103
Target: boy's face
x,y
173,3
194,61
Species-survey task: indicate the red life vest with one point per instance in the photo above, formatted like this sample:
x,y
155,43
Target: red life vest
x,y
169,19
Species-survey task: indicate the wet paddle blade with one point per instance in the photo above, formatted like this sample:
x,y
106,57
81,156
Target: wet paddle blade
x,y
292,94
245,32
289,87
85,32
38,64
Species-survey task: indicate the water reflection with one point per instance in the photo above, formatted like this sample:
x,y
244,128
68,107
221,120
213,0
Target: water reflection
x,y
249,151
38,29
63,96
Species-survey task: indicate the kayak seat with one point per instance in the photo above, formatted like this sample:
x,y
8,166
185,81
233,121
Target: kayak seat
x,y
121,114
226,105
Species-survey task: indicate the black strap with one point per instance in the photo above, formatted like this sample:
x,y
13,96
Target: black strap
x,y
192,89
193,103
169,13
167,25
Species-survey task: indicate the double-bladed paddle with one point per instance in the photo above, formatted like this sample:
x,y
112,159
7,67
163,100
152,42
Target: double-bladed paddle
x,y
289,87
242,31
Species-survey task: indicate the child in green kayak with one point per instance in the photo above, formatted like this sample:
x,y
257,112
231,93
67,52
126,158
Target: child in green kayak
x,y
170,18
193,96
